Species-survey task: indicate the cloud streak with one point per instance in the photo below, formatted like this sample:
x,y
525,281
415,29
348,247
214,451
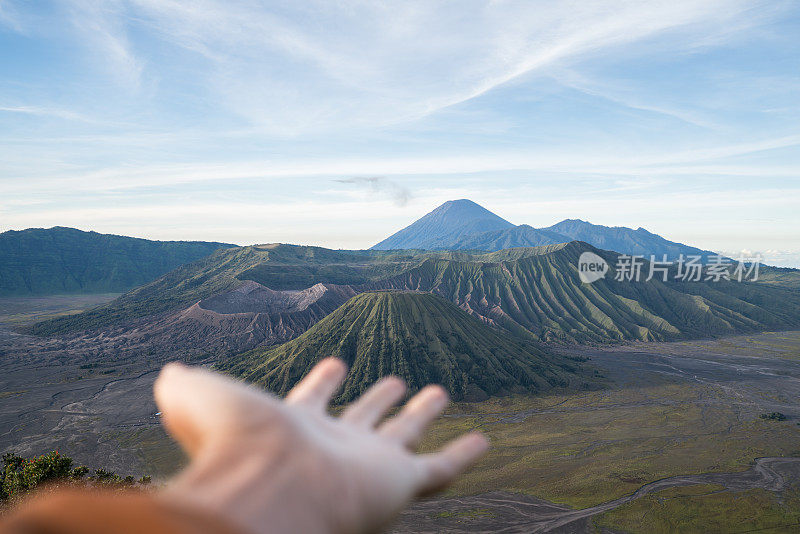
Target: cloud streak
x,y
46,112
8,17
295,68
103,26
381,186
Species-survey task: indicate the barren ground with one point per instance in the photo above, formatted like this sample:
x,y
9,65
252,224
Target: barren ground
x,y
676,435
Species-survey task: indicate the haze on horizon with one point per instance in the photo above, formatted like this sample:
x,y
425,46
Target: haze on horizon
x,y
337,124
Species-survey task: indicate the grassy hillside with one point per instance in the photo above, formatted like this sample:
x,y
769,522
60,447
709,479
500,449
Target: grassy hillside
x,y
417,336
59,260
514,237
780,276
185,285
542,293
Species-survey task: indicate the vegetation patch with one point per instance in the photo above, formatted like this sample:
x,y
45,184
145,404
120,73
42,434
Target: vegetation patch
x,y
706,508
20,476
773,416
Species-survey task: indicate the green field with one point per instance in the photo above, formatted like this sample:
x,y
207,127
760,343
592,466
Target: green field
x,y
585,449
18,312
706,508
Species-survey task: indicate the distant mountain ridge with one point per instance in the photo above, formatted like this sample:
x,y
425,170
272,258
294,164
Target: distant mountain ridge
x,y
624,240
60,260
465,225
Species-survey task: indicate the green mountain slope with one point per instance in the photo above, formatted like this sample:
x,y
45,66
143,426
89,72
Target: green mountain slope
x,y
60,260
179,288
517,236
417,336
276,266
542,294
780,276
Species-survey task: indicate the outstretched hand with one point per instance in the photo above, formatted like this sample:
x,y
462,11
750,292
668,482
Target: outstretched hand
x,y
268,465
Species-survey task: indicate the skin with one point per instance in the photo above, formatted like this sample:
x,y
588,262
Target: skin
x,y
280,466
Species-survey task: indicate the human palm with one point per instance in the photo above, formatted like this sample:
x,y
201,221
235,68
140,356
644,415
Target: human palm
x,y
275,466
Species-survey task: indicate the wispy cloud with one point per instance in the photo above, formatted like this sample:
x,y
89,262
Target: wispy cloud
x,y
46,112
631,98
8,16
382,176
103,25
365,64
381,186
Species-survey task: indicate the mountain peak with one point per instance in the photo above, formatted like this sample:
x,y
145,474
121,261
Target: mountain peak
x,y
463,209
447,223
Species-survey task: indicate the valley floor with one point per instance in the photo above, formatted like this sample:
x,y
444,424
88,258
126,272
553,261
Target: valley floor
x,y
21,311
670,445
675,444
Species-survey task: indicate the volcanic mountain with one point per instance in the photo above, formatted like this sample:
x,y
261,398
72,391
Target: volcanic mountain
x,y
245,317
275,266
418,336
444,226
464,225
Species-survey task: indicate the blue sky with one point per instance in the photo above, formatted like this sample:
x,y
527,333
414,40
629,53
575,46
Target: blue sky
x,y
337,123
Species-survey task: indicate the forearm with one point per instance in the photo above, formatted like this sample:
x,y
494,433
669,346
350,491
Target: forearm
x,y
96,512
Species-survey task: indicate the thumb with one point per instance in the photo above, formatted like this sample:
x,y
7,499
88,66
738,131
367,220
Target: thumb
x,y
198,406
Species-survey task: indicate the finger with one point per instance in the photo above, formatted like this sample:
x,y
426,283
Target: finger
x,y
373,405
197,405
407,426
441,468
319,385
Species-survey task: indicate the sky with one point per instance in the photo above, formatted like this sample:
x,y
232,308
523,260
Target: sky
x,y
338,123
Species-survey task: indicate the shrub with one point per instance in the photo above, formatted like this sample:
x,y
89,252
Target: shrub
x,y
80,472
774,416
20,476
